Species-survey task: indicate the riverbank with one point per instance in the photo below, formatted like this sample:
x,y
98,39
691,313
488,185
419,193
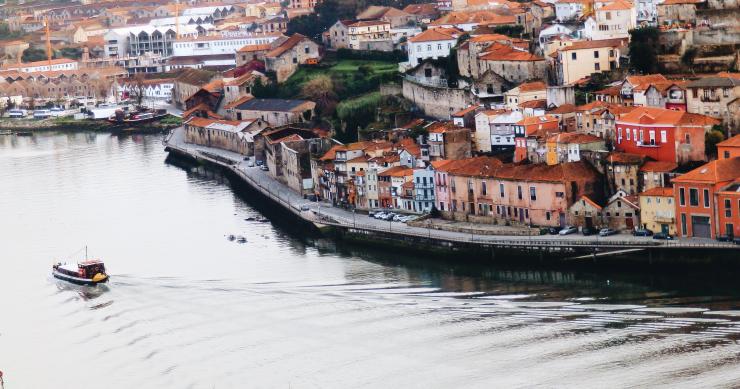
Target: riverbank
x,y
457,239
70,124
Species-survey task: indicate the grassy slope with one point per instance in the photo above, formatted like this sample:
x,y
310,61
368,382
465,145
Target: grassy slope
x,y
345,70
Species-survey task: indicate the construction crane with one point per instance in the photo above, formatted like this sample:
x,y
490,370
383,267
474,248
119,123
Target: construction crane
x,y
48,41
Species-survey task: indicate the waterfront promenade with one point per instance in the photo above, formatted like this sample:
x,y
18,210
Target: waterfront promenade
x,y
324,214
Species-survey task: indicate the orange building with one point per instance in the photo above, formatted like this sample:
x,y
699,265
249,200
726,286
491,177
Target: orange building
x,y
701,197
544,125
729,148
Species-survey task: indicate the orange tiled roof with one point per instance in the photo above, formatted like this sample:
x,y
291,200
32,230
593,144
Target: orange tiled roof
x,y
658,166
617,5
658,191
713,172
579,45
253,48
593,203
436,34
474,17
501,52
532,86
397,171
574,137
238,101
465,111
650,115
731,142
625,158
539,103
286,45
532,120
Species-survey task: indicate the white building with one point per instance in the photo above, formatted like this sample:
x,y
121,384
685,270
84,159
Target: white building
x,y
647,12
220,44
138,40
151,90
398,33
494,130
552,31
433,43
611,20
43,66
566,10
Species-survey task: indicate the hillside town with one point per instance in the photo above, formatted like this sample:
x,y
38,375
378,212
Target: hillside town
x,y
570,115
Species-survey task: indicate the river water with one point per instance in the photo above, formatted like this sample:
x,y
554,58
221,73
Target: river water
x,y
187,308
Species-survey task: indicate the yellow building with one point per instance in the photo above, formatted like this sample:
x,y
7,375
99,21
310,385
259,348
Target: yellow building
x,y
657,210
582,58
568,147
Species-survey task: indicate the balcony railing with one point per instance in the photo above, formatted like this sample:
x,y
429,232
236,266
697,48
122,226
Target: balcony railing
x,y
709,99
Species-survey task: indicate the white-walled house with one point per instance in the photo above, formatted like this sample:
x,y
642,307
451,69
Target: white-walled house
x,y
610,21
566,10
494,130
433,43
551,31
647,12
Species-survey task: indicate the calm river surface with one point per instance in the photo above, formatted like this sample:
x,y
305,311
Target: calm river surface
x,y
187,308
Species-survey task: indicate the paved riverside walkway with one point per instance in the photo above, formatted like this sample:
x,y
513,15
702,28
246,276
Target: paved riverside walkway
x,y
325,213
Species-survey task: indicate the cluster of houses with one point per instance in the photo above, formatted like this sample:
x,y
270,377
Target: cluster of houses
x,y
502,133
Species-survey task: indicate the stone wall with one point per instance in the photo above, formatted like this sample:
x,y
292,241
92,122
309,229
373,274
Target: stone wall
x,y
437,102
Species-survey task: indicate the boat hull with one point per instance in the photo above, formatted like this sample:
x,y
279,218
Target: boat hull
x,y
78,280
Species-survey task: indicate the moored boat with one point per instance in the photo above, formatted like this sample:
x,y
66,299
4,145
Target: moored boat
x,y
87,272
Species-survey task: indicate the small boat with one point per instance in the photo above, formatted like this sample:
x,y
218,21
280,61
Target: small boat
x,y
87,272
23,133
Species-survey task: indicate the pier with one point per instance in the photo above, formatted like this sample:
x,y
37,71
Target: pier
x,y
360,227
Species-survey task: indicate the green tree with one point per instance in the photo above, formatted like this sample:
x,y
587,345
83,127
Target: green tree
x,y
320,90
32,54
644,49
711,139
688,57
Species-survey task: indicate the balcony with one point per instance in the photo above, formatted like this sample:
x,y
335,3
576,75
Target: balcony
x,y
709,99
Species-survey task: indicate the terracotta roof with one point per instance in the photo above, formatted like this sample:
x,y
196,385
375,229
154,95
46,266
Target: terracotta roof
x,y
625,158
437,34
613,90
532,86
565,108
646,79
474,17
331,154
539,103
658,191
501,52
658,166
580,45
650,115
204,122
489,38
617,5
253,48
676,2
476,167
286,45
731,142
238,101
397,171
421,9
593,203
465,111
195,76
574,137
714,172
365,23
533,120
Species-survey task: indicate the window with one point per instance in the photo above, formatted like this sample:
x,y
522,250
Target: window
x,y
573,56
694,197
483,188
439,46
597,66
519,192
429,47
547,215
683,225
706,198
560,195
532,193
663,136
611,53
501,189
728,208
682,196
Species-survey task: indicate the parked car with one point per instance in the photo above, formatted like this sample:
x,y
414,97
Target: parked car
x,y
736,241
371,213
663,236
724,238
568,230
641,232
379,215
259,162
264,168
250,164
397,218
17,113
586,231
553,230
607,232
305,208
389,216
